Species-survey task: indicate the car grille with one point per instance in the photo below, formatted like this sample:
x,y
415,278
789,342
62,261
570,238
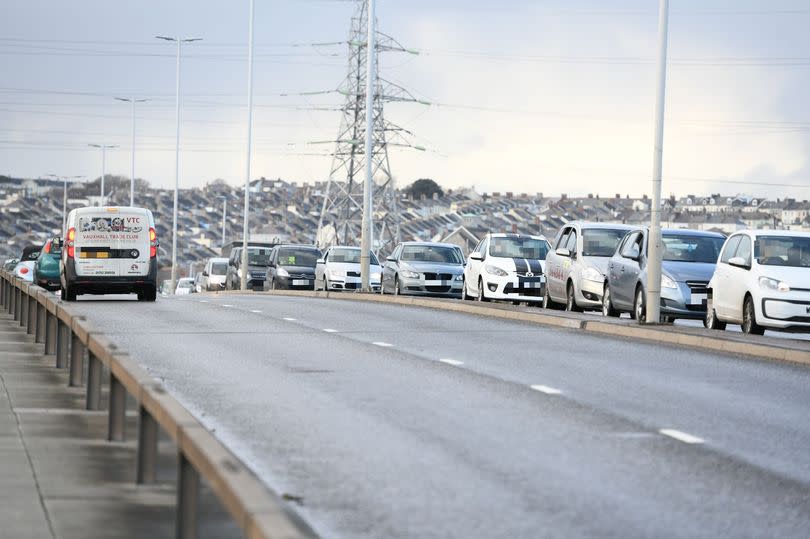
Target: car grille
x,y
301,276
438,289
527,275
698,287
258,275
352,274
438,276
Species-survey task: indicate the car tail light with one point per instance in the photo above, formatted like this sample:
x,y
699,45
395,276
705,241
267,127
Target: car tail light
x,y
152,243
47,247
71,235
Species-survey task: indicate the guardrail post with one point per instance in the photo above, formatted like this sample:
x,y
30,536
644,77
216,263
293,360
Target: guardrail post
x,y
77,350
31,325
116,424
50,333
42,323
94,372
23,309
17,304
62,344
147,447
188,493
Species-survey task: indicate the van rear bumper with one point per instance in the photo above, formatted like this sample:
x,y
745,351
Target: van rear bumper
x,y
109,284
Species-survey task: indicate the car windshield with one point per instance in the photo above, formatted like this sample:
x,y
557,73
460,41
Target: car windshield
x,y
259,257
298,257
219,268
349,256
183,283
691,248
518,247
793,251
431,253
601,241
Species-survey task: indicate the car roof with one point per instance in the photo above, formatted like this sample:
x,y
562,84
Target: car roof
x,y
691,232
297,245
514,235
218,259
781,233
429,243
600,224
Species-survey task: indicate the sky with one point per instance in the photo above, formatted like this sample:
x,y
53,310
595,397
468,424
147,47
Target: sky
x,y
523,95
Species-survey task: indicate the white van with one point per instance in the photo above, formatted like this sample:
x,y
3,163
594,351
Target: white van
x,y
213,276
110,250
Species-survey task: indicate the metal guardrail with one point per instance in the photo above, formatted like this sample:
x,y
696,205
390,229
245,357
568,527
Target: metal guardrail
x,y
68,337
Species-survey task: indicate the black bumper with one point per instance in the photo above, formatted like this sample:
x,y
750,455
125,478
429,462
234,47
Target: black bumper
x,y
109,284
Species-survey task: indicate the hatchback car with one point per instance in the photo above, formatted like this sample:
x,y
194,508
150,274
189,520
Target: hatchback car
x,y
339,269
24,269
213,275
762,281
424,268
576,268
292,267
184,286
508,267
689,258
46,267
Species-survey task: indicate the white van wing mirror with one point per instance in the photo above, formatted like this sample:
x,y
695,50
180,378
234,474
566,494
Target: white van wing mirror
x,y
475,255
562,251
738,262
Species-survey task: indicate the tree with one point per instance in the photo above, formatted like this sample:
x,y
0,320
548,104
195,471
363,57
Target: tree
x,y
424,187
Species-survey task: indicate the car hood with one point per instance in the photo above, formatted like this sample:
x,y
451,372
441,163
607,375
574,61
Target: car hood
x,y
794,277
598,262
688,271
350,266
299,269
509,265
433,267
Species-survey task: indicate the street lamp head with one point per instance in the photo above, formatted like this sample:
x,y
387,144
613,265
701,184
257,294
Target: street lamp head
x,y
165,38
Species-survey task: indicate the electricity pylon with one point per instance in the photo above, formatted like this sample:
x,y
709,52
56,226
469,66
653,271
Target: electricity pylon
x,y
341,215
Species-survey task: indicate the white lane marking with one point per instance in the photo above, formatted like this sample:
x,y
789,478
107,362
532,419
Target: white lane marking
x,y
288,319
226,305
452,362
547,390
383,344
203,301
681,436
330,330
257,312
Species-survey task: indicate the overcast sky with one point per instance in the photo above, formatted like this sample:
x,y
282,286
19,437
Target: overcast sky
x,y
527,95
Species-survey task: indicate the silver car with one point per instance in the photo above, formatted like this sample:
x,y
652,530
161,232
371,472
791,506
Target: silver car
x,y
424,268
576,267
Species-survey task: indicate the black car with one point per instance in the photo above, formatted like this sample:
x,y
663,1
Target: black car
x,y
292,267
258,260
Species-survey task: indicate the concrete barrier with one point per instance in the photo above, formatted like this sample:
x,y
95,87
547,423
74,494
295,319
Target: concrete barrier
x,y
258,512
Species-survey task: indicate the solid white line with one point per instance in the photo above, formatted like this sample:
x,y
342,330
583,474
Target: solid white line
x,y
227,305
383,344
288,319
203,301
452,362
681,436
330,330
547,390
257,312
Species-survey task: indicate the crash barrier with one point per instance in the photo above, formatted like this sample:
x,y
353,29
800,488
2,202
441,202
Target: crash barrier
x,y
708,340
73,343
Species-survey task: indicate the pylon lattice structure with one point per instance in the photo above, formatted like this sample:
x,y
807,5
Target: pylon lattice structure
x,y
342,212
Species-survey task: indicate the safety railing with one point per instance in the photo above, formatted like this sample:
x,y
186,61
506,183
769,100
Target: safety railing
x,y
73,342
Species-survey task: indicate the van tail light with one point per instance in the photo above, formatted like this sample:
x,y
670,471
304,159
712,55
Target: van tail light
x,y
71,236
153,243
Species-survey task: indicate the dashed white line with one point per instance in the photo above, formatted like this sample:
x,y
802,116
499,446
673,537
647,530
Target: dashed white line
x,y
547,390
383,344
452,362
203,301
225,305
330,330
288,319
257,312
681,436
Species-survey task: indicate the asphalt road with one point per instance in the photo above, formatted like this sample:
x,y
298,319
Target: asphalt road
x,y
393,421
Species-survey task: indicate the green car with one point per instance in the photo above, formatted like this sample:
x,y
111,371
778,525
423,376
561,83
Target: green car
x,y
46,268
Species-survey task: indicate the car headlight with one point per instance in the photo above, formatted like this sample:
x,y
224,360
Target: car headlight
x,y
239,273
408,274
281,272
459,277
495,270
774,284
668,282
593,274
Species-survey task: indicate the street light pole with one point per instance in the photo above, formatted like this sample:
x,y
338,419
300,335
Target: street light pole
x,y
224,218
104,148
245,227
366,238
654,250
179,42
132,173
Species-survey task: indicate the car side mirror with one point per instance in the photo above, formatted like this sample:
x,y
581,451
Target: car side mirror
x,y
562,251
391,259
205,274
739,262
320,261
475,255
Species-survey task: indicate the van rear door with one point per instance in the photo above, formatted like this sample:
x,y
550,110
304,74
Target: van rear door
x,y
112,242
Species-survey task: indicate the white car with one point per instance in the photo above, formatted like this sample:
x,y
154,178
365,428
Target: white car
x,y
507,267
25,270
762,280
184,286
577,267
339,269
213,275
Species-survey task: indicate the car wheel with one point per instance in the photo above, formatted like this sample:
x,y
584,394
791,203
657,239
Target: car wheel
x,y
570,299
749,324
70,293
710,321
464,295
62,294
480,294
639,308
607,304
397,290
326,286
548,303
